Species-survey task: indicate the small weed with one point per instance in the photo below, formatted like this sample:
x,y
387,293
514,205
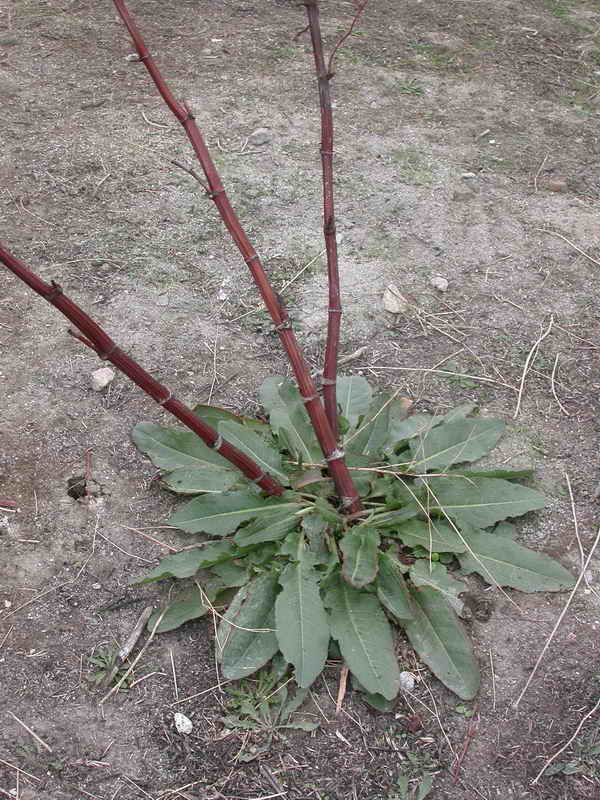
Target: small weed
x,y
411,87
258,706
584,758
106,659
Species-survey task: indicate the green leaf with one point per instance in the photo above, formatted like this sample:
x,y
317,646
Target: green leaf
x,y
327,512
454,443
376,701
359,546
391,587
265,454
460,412
373,432
213,415
481,502
187,563
192,480
508,563
289,420
221,514
441,642
302,627
187,606
404,428
434,535
436,576
270,529
353,397
364,635
248,646
506,474
172,448
393,519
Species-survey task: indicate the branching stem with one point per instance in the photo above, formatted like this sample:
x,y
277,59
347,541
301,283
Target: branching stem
x,y
344,484
95,338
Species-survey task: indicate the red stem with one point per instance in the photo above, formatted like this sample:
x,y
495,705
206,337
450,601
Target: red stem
x,y
329,233
95,338
344,484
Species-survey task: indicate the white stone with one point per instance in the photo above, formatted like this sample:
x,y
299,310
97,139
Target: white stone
x,y
393,300
101,378
260,136
407,681
439,283
183,724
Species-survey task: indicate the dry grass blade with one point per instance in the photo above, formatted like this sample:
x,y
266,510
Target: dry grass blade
x,y
553,386
128,646
559,620
590,713
33,734
530,356
569,242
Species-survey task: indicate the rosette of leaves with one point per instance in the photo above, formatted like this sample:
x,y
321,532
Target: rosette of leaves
x,y
294,574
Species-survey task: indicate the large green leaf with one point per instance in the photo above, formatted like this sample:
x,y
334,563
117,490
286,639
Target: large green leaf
x,y
353,397
186,606
289,420
187,563
481,502
221,514
213,415
265,454
171,448
391,587
441,642
403,428
436,576
194,480
364,635
393,519
455,443
435,536
246,636
359,546
302,626
374,429
498,559
270,529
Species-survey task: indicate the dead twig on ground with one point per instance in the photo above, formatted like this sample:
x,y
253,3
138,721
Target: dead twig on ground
x,y
33,734
559,620
342,688
530,357
127,647
572,244
553,387
552,758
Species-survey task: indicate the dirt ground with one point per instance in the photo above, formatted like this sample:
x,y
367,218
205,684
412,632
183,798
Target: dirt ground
x,y
468,147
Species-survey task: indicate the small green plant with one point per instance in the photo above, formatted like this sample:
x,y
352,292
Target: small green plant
x,y
583,758
411,87
304,573
105,660
262,707
422,786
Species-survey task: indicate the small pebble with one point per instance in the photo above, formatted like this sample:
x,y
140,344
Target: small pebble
x,y
260,136
407,681
394,301
132,57
96,586
558,185
183,724
468,175
101,378
439,283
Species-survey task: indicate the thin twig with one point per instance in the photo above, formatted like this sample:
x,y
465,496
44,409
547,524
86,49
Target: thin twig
x,y
493,679
124,677
564,747
214,367
37,738
359,10
471,731
127,647
530,356
342,688
538,173
569,242
150,538
174,674
559,620
553,387
18,769
446,372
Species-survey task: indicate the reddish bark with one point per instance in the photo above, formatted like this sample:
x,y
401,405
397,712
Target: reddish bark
x,y
95,338
344,484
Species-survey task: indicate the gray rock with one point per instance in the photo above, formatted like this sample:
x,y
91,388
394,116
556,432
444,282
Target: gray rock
x,y
439,283
462,193
407,681
260,136
101,378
